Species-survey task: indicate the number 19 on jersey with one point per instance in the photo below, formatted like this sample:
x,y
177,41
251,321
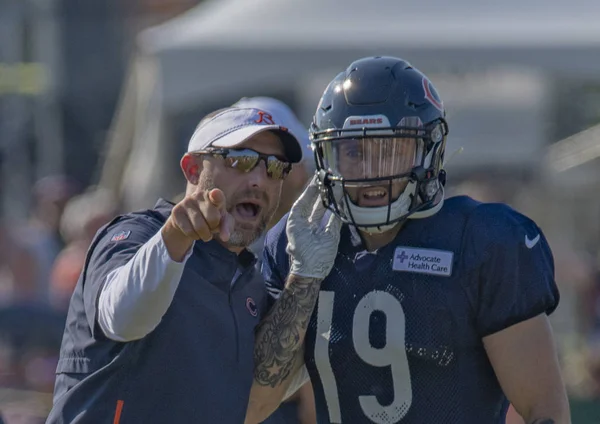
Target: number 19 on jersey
x,y
392,354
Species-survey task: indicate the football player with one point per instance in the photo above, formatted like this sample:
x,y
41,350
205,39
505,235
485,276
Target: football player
x,y
403,306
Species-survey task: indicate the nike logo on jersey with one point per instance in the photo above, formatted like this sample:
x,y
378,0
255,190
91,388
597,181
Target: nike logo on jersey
x,y
531,242
423,261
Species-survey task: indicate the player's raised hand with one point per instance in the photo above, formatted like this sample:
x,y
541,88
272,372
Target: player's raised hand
x,y
199,216
313,235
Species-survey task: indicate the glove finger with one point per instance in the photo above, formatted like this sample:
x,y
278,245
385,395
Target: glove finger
x,y
304,205
317,214
334,224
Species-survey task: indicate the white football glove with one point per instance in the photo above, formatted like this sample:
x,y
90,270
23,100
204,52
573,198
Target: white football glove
x,y
313,235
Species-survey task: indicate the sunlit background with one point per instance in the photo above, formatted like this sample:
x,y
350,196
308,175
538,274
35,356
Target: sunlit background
x,y
99,97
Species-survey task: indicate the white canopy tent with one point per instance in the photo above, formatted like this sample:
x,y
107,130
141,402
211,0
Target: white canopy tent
x,y
489,60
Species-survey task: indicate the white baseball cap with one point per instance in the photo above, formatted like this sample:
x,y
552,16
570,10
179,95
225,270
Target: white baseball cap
x,y
232,126
284,115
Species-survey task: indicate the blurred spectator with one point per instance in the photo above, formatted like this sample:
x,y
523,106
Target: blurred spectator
x,y
82,218
51,195
30,338
23,407
30,332
30,329
18,268
41,236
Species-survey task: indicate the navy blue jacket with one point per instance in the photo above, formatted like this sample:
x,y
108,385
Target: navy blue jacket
x,y
195,366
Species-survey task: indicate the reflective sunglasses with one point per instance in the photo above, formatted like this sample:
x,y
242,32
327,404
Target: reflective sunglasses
x,y
246,160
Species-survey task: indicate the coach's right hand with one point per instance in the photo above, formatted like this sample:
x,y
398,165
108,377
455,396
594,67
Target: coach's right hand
x,y
199,216
313,236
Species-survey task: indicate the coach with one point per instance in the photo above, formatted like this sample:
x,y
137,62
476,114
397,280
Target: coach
x,y
161,324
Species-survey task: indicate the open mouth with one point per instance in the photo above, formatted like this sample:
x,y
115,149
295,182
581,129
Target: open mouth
x,y
373,196
247,210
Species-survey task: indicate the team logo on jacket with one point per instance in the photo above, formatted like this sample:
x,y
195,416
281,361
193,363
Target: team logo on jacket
x,y
121,235
251,306
423,261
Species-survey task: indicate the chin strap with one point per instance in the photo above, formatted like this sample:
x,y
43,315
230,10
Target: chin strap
x,y
431,211
374,215
416,215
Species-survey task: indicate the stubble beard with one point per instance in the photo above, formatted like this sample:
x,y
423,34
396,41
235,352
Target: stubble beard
x,y
243,234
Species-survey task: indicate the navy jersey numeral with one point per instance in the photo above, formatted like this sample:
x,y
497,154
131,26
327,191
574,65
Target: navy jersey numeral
x,y
392,355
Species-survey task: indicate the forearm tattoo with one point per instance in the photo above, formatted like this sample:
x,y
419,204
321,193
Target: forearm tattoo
x,y
281,334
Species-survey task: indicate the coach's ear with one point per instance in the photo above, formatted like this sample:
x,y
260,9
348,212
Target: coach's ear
x,y
191,165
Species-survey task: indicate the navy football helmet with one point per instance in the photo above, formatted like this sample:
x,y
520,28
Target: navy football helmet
x,y
380,132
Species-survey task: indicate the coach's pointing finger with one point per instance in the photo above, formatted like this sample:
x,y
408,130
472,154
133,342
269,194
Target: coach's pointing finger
x,y
217,198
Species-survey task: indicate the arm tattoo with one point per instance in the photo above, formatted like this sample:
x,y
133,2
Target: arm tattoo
x,y
543,421
281,334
